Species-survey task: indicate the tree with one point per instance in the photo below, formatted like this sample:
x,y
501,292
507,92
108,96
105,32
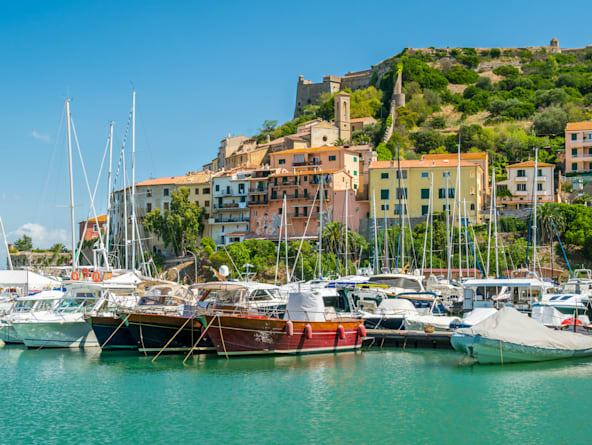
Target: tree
x,y
178,227
547,214
384,154
427,140
24,244
550,122
57,248
458,74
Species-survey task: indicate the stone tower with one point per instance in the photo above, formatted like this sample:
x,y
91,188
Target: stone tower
x,y
554,44
397,100
342,113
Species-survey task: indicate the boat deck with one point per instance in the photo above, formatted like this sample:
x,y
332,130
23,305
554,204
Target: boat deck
x,y
408,339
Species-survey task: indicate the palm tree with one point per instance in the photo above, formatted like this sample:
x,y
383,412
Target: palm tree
x,y
547,214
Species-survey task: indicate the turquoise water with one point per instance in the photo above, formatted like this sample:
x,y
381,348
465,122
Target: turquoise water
x,y
62,396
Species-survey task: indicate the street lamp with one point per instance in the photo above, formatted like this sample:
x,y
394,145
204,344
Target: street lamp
x,y
195,265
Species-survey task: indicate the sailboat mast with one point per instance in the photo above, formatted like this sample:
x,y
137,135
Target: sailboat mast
x,y
495,228
134,180
108,224
321,226
68,124
401,220
448,231
457,199
375,230
346,232
534,219
286,239
6,245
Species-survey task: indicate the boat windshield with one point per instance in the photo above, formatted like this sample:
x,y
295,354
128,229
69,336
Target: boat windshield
x,y
44,305
264,295
24,306
76,304
223,296
401,282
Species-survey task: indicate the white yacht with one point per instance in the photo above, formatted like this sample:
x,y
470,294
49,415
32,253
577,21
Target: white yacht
x,y
28,307
65,325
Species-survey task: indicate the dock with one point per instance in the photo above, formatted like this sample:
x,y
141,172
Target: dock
x,y
389,338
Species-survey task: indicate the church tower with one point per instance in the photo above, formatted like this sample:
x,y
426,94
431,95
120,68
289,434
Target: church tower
x,y
342,114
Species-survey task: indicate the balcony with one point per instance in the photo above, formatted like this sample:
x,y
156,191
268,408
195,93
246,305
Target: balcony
x,y
288,196
258,203
231,206
230,193
521,179
258,191
300,215
229,220
581,156
520,193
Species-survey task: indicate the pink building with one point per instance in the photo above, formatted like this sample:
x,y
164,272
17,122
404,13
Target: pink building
x,y
297,174
578,147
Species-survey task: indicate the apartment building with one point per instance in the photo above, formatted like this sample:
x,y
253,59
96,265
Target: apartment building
x,y
520,185
578,147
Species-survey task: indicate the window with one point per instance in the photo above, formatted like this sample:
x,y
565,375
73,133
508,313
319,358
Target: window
x,y
149,193
324,138
574,137
540,172
355,173
148,207
332,158
401,192
398,209
166,192
355,159
442,193
206,191
521,187
424,210
95,228
355,186
296,193
207,203
305,193
539,187
326,196
304,178
521,173
197,191
574,166
444,207
472,206
217,187
197,203
241,188
425,175
281,161
384,194
384,207
574,151
384,176
402,173
425,193
166,205
446,174
280,210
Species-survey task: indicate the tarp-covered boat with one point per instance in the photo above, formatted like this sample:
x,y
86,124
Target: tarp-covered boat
x,y
511,337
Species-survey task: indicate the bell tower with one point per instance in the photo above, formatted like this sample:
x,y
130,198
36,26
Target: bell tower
x,y
342,115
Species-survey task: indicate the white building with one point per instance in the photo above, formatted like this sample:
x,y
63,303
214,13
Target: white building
x,y
520,185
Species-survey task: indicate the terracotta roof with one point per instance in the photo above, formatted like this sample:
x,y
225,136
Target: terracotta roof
x,y
195,178
529,163
100,218
306,150
167,180
422,164
575,126
480,155
361,119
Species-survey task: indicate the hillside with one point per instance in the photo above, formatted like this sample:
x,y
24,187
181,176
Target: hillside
x,y
504,101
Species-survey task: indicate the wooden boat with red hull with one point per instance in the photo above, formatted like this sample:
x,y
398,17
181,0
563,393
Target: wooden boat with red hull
x,y
248,335
152,332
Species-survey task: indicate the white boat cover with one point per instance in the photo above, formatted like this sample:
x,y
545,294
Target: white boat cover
x,y
477,315
126,278
397,305
419,322
26,279
510,326
305,306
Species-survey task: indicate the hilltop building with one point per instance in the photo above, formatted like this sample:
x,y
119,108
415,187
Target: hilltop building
x,y
520,185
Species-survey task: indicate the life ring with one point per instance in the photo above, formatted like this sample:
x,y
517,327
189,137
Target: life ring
x,y
85,273
96,276
341,332
75,275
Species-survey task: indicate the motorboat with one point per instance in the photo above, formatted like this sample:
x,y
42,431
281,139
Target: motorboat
x,y
24,308
303,329
509,336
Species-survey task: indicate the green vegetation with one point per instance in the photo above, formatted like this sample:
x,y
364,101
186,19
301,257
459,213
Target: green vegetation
x,y
24,244
178,227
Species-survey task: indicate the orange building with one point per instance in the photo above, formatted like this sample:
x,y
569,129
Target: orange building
x,y
92,229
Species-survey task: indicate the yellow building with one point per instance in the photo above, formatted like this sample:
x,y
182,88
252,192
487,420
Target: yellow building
x,y
416,178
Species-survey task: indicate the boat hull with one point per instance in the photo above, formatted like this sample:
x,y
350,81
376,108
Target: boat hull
x,y
396,323
8,334
234,335
68,334
489,351
151,332
111,334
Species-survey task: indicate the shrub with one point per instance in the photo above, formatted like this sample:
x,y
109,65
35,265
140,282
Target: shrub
x,y
521,110
438,122
427,140
507,71
484,83
509,224
495,53
460,75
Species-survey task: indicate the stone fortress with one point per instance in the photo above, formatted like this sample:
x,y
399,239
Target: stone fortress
x,y
309,93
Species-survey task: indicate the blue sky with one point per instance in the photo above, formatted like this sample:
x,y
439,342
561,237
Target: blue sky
x,y
201,70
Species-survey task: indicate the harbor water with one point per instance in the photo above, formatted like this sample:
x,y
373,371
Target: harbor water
x,y
389,396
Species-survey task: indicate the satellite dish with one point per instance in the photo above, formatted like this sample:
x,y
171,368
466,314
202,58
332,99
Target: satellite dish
x,y
224,271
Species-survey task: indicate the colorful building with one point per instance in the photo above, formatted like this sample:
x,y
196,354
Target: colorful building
x,y
520,185
578,147
90,229
388,198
